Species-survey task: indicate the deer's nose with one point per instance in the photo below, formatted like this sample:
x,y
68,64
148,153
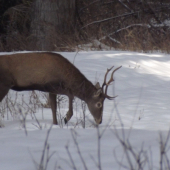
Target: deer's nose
x,y
98,121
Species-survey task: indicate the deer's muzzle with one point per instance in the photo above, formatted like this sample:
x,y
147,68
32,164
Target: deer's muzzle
x,y
98,121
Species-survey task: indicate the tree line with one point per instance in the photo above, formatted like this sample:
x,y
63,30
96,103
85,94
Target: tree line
x,y
62,25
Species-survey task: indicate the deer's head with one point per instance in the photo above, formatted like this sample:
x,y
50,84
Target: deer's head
x,y
95,104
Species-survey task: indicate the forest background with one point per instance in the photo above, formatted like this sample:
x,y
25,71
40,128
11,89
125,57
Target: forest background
x,y
66,25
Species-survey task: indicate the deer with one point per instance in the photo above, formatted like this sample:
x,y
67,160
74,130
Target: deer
x,y
51,72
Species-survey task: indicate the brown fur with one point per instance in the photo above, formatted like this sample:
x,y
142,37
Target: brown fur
x,y
49,72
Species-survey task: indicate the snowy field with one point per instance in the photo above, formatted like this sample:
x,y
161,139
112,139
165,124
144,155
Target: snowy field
x,y
138,116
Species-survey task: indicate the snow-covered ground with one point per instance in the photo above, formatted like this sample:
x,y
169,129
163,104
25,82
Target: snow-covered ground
x,y
141,110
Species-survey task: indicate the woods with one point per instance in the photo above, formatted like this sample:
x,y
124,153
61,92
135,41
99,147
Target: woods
x,y
63,25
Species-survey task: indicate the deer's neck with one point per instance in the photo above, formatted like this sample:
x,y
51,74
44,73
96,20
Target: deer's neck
x,y
83,89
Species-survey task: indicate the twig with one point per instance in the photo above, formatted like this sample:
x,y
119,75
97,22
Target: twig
x,y
123,15
163,151
75,57
23,121
121,29
73,134
124,5
70,157
46,152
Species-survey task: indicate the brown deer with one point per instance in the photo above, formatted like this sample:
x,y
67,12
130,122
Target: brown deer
x,y
51,72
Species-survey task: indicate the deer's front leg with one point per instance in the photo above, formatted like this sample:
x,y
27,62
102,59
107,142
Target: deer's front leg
x,y
53,104
70,111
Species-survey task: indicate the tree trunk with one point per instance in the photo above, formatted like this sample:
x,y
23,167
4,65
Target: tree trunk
x,y
52,18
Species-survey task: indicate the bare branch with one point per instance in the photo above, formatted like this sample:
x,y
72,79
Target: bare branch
x,y
88,5
125,15
73,133
121,29
125,6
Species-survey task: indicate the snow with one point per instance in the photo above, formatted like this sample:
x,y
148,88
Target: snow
x,y
139,114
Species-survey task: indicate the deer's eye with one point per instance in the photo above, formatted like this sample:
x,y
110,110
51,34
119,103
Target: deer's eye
x,y
99,105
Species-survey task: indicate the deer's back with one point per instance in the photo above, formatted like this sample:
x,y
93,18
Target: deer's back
x,y
26,69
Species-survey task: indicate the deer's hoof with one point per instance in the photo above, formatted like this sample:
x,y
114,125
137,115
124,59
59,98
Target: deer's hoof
x,y
65,120
55,123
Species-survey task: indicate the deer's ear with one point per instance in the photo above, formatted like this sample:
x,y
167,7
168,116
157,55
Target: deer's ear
x,y
97,93
97,85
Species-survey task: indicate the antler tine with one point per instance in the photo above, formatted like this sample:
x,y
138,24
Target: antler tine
x,y
111,79
109,97
107,84
104,83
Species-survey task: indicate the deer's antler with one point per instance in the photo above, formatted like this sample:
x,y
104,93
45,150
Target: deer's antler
x,y
108,83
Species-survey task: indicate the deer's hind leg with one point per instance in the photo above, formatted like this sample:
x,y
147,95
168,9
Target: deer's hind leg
x,y
3,91
53,104
70,111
